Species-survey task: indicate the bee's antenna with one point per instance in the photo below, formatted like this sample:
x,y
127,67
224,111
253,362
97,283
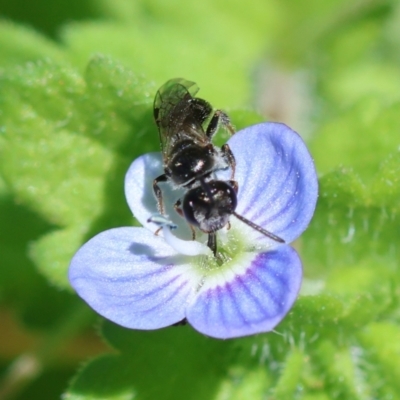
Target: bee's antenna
x,y
258,228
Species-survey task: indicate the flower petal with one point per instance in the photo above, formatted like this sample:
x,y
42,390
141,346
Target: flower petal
x,y
140,196
278,185
250,302
185,247
133,278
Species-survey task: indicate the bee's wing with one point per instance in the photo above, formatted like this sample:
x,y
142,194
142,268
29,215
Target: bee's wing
x,y
173,113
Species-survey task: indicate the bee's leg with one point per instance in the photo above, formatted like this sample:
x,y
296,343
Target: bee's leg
x,y
229,158
212,242
179,210
158,192
218,118
193,232
225,121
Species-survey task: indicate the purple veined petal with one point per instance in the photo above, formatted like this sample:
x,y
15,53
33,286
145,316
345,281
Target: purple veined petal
x,y
251,302
140,196
278,185
133,278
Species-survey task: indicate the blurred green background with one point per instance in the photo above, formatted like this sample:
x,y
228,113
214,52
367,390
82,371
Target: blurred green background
x,y
77,81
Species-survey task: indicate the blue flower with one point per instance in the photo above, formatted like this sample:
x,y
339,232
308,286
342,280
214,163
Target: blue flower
x,y
145,281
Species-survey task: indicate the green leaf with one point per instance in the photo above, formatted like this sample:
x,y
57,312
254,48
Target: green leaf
x,y
65,146
60,175
386,185
217,49
351,223
154,364
287,385
121,108
37,304
20,44
337,370
359,138
162,52
102,379
244,383
53,252
381,341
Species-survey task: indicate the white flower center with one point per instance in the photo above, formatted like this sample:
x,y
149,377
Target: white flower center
x,y
186,247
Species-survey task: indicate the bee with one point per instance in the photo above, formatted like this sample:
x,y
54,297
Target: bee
x,y
186,126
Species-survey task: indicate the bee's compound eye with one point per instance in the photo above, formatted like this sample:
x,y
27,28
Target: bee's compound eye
x,y
209,207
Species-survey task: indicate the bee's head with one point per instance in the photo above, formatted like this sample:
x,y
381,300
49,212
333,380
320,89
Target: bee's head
x,y
210,205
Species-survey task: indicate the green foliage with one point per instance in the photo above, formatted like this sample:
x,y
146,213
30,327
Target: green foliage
x,y
71,123
176,39
361,137
21,44
184,366
54,150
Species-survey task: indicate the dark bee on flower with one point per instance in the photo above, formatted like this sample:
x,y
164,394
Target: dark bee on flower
x,y
186,126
